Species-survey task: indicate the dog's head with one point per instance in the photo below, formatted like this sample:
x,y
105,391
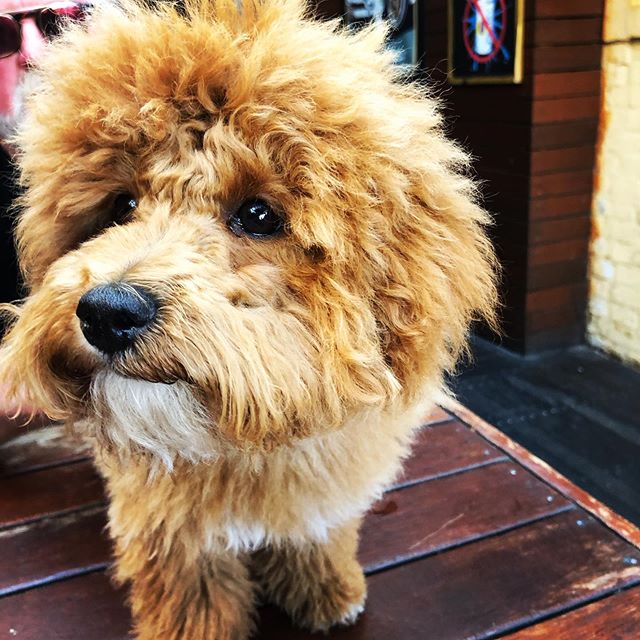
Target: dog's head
x,y
238,222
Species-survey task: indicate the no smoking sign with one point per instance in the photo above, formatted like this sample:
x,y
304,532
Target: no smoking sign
x,y
485,41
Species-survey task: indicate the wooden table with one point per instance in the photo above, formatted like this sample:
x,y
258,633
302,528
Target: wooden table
x,y
478,539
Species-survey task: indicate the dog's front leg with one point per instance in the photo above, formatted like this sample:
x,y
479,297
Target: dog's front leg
x,y
318,585
186,595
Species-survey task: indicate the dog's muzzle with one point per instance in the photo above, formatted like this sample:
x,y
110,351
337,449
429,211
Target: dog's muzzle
x,y
113,315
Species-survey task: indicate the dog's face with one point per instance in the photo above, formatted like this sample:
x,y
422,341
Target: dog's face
x,y
238,226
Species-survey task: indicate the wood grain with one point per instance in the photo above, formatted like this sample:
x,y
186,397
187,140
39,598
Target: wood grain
x,y
578,57
614,618
570,205
555,135
85,607
565,109
564,85
444,449
578,31
432,516
556,230
491,586
39,494
565,182
38,449
53,548
568,8
613,520
569,158
556,274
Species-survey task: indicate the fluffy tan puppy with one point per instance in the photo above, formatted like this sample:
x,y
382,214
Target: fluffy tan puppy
x,y
252,254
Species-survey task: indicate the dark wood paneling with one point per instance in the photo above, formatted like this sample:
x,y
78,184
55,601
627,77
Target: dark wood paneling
x,y
567,182
557,297
491,586
30,496
559,251
565,109
53,548
560,206
568,8
554,160
564,134
534,146
445,449
38,449
559,229
615,618
579,57
564,85
554,318
559,32
556,274
432,516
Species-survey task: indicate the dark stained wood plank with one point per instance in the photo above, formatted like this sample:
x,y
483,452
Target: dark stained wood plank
x,y
562,183
53,548
578,57
85,607
556,135
564,85
435,515
547,231
553,318
39,448
30,496
556,274
443,449
565,109
559,251
557,206
14,426
491,586
557,297
613,520
553,160
614,618
568,8
578,31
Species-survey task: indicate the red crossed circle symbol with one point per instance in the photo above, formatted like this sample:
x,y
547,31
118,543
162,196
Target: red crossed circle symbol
x,y
496,40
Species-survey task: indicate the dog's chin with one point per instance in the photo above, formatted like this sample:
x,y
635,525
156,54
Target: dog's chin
x,y
135,417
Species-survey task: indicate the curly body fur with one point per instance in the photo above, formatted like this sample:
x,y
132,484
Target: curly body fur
x,y
247,431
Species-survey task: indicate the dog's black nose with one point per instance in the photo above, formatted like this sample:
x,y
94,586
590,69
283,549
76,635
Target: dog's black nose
x,y
113,315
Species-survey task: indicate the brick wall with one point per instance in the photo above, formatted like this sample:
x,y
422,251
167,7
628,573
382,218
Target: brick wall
x,y
614,299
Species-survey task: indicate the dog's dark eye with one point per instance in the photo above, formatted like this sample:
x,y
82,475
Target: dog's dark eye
x,y
122,207
255,218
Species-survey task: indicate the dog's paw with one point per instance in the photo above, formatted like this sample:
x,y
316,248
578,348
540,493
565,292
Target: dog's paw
x,y
331,611
353,613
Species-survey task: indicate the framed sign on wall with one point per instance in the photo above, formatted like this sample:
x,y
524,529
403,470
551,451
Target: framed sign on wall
x,y
485,41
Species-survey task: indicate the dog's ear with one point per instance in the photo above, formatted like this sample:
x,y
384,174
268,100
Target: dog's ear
x,y
441,267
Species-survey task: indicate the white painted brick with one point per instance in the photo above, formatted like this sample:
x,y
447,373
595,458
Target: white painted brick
x,y
614,305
